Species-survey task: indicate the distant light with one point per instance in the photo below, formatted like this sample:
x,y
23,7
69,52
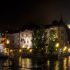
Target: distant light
x,y
23,46
5,50
20,50
69,50
11,50
28,47
30,50
7,41
68,25
57,45
65,48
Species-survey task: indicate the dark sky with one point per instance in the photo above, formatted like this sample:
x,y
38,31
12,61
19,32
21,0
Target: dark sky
x,y
14,13
44,10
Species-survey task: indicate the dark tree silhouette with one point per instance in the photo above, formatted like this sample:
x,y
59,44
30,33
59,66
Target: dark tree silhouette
x,y
39,41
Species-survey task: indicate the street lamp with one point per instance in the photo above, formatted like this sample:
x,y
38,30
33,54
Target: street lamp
x,y
30,50
68,25
57,45
65,48
7,41
69,50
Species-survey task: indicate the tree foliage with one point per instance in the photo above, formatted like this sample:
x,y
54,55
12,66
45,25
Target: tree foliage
x,y
39,41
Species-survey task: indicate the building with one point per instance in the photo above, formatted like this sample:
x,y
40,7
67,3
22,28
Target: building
x,y
14,40
22,39
26,39
56,32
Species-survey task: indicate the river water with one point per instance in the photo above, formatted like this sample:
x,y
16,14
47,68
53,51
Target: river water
x,y
29,64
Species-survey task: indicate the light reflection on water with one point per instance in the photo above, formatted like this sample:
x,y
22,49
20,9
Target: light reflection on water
x,y
25,63
29,64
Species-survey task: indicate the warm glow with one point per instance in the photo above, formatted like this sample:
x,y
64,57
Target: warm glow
x,y
5,50
64,49
28,47
57,45
11,50
68,25
30,50
7,41
69,50
23,46
20,50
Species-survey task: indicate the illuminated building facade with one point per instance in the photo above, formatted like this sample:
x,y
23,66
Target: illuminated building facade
x,y
21,39
57,33
26,39
14,40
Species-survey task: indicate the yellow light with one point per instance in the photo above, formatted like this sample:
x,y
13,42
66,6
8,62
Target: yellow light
x,y
64,49
69,50
11,50
23,46
30,50
28,47
68,25
57,45
7,41
5,50
20,50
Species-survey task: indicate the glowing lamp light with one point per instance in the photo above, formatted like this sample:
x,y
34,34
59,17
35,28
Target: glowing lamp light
x,y
30,50
68,25
57,45
64,49
11,50
69,50
7,41
28,47
20,50
23,46
5,50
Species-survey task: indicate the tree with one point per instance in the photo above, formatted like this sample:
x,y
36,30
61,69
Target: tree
x,y
53,39
51,47
39,41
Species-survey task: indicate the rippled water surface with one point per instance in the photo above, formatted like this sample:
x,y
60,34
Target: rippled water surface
x,y
29,64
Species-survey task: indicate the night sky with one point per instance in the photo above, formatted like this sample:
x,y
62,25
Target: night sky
x,y
16,13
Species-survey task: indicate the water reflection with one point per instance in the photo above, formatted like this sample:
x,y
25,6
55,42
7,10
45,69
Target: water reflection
x,y
63,64
30,64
